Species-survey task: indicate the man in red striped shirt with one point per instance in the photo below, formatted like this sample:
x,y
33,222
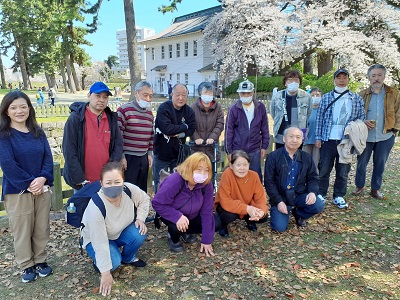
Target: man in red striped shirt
x,y
135,120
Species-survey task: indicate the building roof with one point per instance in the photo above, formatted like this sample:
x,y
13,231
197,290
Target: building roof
x,y
209,67
186,24
159,68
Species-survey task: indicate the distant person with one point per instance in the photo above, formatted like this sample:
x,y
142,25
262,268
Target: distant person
x,y
337,109
52,95
115,239
175,120
240,195
27,165
308,144
291,183
246,127
382,106
136,122
41,96
169,91
91,138
290,107
209,120
185,203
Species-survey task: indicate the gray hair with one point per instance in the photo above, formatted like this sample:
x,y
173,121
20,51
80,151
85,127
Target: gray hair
x,y
141,84
376,66
205,86
293,127
179,84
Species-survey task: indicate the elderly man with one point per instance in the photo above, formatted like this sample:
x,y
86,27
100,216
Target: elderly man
x,y
246,127
337,109
290,107
91,138
135,120
291,183
382,106
174,122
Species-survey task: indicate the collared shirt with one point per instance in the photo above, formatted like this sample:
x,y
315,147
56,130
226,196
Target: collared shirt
x,y
376,112
293,169
325,120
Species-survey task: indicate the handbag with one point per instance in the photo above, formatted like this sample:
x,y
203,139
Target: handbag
x,y
184,152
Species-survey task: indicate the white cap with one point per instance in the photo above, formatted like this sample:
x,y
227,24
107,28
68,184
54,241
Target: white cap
x,y
245,86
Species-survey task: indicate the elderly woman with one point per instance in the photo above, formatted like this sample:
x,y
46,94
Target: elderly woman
x,y
122,227
240,195
185,204
209,119
27,165
290,107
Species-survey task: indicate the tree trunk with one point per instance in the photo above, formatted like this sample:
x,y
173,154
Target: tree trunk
x,y
47,79
62,71
308,65
131,44
325,63
286,68
77,83
71,85
21,60
3,77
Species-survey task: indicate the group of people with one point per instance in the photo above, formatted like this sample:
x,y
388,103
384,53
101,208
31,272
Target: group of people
x,y
118,148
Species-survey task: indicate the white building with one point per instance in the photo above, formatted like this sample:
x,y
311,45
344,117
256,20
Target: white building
x,y
177,54
141,33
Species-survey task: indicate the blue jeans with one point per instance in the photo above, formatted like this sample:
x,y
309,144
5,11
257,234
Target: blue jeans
x,y
130,240
381,153
255,162
279,221
158,165
328,157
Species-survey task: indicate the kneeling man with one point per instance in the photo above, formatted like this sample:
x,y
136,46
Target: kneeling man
x,y
291,182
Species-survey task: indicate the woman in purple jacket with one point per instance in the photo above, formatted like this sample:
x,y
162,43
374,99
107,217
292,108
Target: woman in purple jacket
x,y
185,203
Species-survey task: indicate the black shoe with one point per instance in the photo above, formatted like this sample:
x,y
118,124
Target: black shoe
x,y
299,221
224,232
251,226
175,247
137,263
188,238
149,219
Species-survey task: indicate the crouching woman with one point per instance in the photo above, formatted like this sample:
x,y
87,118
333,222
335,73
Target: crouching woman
x,y
122,227
185,204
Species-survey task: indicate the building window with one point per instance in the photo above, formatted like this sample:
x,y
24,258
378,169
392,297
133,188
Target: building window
x,y
170,51
162,52
170,77
186,78
153,54
186,48
178,50
194,48
178,78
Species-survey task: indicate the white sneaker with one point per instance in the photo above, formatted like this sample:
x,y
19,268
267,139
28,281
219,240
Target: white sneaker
x,y
340,202
320,197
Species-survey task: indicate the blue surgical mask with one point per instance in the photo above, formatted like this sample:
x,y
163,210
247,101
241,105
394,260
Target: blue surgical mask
x,y
207,98
293,87
246,100
112,191
143,104
340,90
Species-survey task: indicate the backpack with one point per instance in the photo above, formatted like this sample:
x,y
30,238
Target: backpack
x,y
81,200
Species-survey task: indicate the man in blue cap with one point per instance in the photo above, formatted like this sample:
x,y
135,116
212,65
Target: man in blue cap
x,y
91,138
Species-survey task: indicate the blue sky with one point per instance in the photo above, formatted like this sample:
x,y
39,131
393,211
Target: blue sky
x,y
112,18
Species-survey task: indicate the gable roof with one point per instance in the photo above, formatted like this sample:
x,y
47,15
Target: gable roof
x,y
186,24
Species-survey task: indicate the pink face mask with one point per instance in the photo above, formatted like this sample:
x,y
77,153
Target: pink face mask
x,y
199,178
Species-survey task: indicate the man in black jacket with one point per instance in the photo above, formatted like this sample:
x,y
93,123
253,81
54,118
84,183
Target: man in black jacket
x,y
291,183
174,122
91,138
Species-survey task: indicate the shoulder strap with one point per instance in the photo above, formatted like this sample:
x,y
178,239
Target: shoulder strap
x,y
99,203
336,99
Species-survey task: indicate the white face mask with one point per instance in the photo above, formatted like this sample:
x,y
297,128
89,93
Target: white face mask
x,y
143,104
293,87
246,100
341,89
207,98
316,100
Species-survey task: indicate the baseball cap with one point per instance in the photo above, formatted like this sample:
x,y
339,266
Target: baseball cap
x,y
342,70
245,86
99,87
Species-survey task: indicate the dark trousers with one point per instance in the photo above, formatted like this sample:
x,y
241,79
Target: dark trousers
x,y
158,165
381,153
255,162
137,171
329,157
228,217
194,227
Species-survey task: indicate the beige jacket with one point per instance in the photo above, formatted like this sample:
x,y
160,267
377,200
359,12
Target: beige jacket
x,y
356,142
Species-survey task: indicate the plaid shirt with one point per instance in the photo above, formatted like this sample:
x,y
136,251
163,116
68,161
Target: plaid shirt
x,y
323,124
